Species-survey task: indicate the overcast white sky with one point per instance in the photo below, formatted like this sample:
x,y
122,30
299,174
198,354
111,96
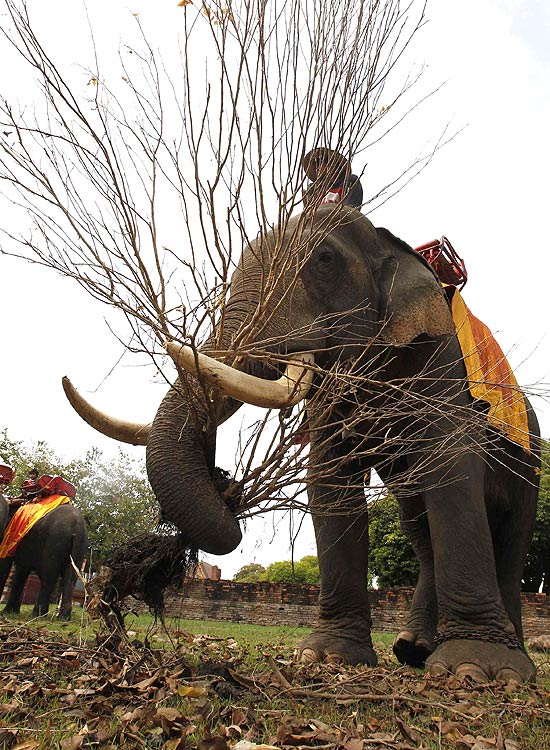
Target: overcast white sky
x,y
487,191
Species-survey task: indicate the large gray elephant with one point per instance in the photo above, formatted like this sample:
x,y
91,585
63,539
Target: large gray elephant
x,y
47,550
331,287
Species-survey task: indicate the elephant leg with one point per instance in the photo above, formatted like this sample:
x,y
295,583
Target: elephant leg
x,y
512,531
42,606
339,511
15,597
476,635
67,587
416,641
5,567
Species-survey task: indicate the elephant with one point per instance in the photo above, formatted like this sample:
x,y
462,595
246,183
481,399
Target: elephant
x,y
326,291
47,550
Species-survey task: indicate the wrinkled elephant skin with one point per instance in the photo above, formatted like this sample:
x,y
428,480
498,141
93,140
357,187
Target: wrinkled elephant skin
x,y
362,295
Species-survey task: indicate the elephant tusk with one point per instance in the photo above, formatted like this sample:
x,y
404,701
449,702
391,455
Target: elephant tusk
x,y
291,387
125,432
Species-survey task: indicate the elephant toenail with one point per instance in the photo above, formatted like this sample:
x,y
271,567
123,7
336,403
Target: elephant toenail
x,y
471,671
509,676
309,656
334,658
438,669
405,635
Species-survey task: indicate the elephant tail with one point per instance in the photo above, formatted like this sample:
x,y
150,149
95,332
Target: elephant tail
x,y
77,555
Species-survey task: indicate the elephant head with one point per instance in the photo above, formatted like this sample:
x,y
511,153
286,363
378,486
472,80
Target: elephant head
x,y
318,289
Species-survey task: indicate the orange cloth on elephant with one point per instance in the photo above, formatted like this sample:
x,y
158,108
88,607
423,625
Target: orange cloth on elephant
x,y
489,375
24,519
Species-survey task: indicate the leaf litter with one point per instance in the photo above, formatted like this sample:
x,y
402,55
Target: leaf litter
x,y
201,692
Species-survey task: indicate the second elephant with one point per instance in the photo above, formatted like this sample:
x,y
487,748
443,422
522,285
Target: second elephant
x,y
49,549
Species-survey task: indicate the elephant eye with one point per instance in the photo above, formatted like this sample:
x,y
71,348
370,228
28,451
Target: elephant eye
x,y
325,258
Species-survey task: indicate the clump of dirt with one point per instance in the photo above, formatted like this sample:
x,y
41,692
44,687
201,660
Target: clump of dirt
x,y
148,564
143,568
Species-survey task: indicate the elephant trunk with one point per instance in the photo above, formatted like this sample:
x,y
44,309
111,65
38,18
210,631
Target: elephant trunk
x,y
180,446
178,471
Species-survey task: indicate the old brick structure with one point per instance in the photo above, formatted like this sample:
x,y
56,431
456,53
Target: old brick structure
x,y
296,605
291,604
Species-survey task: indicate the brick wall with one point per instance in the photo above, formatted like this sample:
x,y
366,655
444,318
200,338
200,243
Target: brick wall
x,y
291,604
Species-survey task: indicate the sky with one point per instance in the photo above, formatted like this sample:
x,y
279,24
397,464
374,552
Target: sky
x,y
487,191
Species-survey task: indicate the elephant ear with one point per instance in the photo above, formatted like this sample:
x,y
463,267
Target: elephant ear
x,y
412,300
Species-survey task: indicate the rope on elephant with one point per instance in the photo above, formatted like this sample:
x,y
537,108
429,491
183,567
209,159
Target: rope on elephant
x,y
144,567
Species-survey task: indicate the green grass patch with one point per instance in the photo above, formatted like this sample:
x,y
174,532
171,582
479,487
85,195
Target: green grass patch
x,y
174,687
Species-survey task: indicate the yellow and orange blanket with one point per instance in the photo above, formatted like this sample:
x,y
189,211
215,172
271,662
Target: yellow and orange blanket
x,y
489,375
25,518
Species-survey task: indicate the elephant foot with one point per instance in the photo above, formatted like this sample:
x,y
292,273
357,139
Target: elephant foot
x,y
65,616
481,662
11,610
412,648
319,647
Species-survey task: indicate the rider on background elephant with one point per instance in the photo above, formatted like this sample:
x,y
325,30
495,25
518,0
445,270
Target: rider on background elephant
x,y
365,320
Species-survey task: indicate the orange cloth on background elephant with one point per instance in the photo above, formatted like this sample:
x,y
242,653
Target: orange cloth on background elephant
x,y
490,377
25,518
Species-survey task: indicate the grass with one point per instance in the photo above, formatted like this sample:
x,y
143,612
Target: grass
x,y
195,684
145,627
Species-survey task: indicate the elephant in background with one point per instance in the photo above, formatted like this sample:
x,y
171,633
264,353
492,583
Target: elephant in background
x,y
347,294
47,550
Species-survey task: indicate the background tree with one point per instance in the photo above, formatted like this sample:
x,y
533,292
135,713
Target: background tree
x,y
114,495
249,573
23,457
305,570
537,566
309,568
391,557
116,500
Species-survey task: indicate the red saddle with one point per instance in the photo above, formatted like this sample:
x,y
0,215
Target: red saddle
x,y
57,485
447,264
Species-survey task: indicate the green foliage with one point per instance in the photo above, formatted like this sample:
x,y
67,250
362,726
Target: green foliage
x,y
305,570
117,502
23,458
249,573
391,557
309,568
113,495
537,566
